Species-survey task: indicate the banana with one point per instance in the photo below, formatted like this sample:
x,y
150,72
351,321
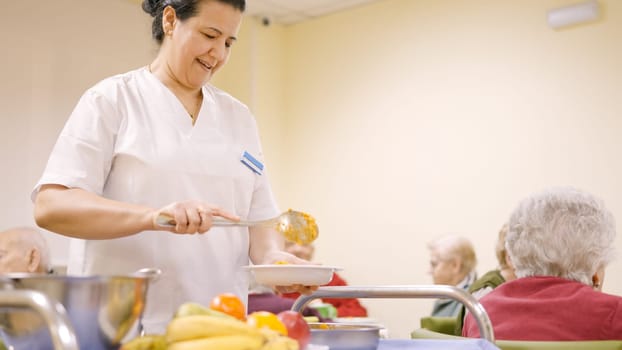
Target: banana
x,y
201,326
225,342
147,342
281,343
269,334
188,309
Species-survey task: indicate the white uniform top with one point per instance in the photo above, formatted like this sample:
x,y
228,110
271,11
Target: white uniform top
x,y
130,139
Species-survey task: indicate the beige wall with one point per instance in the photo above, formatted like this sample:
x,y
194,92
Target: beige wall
x,y
409,119
52,52
391,123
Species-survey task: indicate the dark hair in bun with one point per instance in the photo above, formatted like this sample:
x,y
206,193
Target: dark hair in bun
x,y
151,6
184,9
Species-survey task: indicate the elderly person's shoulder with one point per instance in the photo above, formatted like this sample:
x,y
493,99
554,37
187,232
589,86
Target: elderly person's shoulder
x,y
550,308
542,288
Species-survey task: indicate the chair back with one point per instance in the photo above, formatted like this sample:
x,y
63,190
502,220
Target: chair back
x,y
446,325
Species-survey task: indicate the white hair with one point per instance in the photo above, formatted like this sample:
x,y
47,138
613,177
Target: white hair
x,y
454,246
561,232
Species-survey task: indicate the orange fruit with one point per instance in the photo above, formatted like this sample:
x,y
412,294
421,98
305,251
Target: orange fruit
x,y
229,304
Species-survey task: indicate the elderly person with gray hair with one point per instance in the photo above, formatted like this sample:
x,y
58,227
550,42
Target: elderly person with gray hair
x,y
560,241
23,249
452,262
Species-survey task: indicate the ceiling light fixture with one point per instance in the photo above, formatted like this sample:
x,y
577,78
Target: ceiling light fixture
x,y
573,14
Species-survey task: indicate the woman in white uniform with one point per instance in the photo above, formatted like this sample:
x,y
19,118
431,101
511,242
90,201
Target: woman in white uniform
x,y
160,140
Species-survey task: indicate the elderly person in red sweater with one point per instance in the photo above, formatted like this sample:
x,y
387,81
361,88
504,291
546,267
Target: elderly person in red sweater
x,y
560,241
345,307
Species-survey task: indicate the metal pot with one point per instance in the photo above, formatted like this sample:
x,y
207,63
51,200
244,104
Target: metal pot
x,y
102,309
344,336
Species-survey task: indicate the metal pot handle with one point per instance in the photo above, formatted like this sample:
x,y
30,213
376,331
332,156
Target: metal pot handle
x,y
152,274
54,314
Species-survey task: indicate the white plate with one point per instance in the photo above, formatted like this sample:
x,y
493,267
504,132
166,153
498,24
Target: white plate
x,y
287,275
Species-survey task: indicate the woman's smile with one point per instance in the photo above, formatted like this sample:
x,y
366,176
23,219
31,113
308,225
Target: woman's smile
x,y
205,65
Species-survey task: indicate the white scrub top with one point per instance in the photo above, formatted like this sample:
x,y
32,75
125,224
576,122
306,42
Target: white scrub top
x,y
130,139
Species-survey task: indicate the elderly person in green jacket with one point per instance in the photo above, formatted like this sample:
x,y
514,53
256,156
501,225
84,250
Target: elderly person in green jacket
x,y
491,279
452,262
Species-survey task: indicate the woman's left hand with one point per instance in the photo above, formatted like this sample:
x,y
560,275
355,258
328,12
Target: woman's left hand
x,y
296,288
281,257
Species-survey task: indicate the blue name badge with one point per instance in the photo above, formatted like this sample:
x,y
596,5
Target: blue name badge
x,y
252,163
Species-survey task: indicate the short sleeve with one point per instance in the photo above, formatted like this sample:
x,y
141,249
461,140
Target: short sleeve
x,y
83,153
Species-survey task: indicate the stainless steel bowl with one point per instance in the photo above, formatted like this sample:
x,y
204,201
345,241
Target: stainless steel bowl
x,y
344,336
102,309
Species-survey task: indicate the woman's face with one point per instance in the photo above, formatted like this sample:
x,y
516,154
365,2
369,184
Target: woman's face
x,y
200,45
443,270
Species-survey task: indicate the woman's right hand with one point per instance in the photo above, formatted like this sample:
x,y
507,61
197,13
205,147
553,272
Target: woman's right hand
x,y
190,217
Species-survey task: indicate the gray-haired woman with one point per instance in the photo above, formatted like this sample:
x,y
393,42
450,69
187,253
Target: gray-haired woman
x,y
560,241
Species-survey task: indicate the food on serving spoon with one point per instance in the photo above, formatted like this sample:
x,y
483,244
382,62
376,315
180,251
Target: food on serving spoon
x,y
300,228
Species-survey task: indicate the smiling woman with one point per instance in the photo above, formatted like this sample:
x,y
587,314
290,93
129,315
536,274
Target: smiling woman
x,y
195,42
129,153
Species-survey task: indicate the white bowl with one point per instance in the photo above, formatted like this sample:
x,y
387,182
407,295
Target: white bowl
x,y
287,275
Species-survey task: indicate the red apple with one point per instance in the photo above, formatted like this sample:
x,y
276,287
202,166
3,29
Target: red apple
x,y
297,327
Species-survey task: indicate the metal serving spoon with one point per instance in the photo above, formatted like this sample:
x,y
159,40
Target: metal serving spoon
x,y
296,226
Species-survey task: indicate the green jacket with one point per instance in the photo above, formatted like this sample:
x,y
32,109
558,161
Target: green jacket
x,y
491,279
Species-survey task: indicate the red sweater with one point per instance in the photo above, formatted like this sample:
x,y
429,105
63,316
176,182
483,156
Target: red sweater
x,y
550,308
346,307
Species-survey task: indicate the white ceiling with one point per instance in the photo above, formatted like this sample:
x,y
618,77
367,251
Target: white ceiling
x,y
292,11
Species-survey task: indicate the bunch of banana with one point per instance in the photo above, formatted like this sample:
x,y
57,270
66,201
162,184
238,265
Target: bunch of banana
x,y
206,326
275,341
188,309
225,342
198,328
147,342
